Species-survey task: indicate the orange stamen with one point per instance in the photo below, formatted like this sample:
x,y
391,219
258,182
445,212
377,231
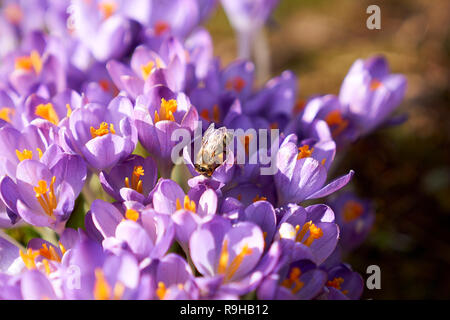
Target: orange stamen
x,y
161,27
304,152
47,112
131,214
6,113
352,210
102,130
166,110
46,196
188,204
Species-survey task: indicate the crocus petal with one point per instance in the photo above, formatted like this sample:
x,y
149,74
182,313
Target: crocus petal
x,y
36,286
136,237
105,217
332,186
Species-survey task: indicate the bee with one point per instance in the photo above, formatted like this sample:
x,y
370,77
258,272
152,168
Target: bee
x,y
213,150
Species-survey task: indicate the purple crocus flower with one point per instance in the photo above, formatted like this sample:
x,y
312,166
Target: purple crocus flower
x,y
44,192
8,111
247,17
355,218
171,279
40,110
168,197
343,284
329,109
144,232
172,18
107,28
29,143
371,92
131,179
48,258
34,66
102,135
301,177
100,276
276,100
308,232
198,206
233,253
157,115
167,66
301,280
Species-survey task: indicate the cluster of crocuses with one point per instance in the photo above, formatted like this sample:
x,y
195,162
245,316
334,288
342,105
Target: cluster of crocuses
x,y
90,94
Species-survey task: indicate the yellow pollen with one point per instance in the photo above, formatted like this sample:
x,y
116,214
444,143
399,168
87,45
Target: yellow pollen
x,y
102,290
62,248
46,266
304,152
228,270
352,210
102,130
146,69
375,84
136,182
223,260
27,154
36,61
69,110
239,197
107,8
336,122
323,161
27,63
314,233
6,113
161,27
29,258
118,291
46,196
293,282
188,204
23,63
166,110
131,214
24,155
47,112
258,198
161,290
49,253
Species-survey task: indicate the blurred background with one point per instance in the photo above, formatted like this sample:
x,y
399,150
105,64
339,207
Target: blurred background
x,y
404,169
